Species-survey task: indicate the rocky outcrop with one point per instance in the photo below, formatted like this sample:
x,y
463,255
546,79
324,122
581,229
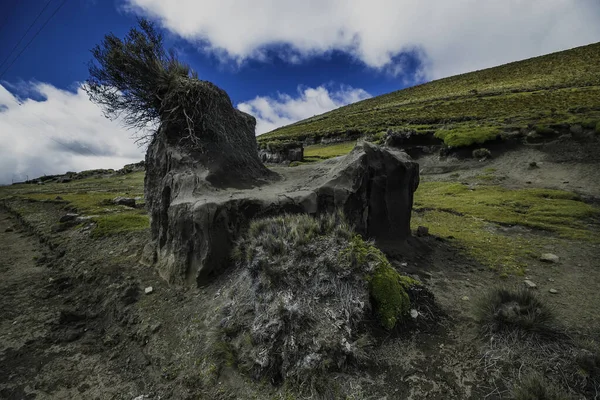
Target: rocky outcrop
x,y
195,219
278,154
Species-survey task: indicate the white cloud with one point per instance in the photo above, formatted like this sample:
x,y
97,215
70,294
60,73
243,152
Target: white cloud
x,y
456,36
271,113
62,132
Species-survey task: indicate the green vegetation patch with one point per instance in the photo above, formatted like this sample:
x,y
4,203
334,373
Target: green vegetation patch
x,y
113,224
91,196
387,287
279,145
467,136
476,220
557,211
325,151
552,89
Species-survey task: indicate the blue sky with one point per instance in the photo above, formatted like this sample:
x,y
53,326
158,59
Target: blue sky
x,y
280,61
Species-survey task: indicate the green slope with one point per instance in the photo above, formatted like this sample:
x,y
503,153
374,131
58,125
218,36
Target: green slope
x,y
562,87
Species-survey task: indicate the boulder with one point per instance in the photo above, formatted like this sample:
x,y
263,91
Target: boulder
x,y
481,154
124,201
68,217
422,231
196,219
278,155
549,258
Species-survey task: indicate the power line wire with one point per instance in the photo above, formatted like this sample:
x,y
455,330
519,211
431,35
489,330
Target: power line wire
x,y
8,15
25,34
33,38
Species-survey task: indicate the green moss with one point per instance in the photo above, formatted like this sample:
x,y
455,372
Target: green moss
x,y
389,295
467,136
325,151
387,287
119,223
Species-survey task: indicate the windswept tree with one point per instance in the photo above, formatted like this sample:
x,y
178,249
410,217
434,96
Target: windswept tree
x,y
130,78
138,80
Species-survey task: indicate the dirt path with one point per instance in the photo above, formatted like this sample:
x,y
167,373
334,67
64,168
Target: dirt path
x,y
47,344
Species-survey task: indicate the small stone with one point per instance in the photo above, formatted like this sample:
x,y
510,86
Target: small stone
x,y
530,284
404,264
9,230
550,279
465,298
110,253
154,328
549,257
124,201
553,291
414,313
148,290
68,217
422,231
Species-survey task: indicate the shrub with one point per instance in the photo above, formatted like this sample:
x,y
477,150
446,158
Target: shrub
x,y
544,130
481,154
279,145
589,363
502,310
536,387
305,296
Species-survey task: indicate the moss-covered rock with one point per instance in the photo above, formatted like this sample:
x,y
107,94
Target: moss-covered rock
x,y
387,288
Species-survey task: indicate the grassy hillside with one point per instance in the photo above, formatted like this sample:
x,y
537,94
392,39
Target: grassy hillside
x,y
558,88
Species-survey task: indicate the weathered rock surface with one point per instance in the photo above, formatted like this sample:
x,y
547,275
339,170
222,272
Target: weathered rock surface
x,y
196,215
549,258
125,201
295,153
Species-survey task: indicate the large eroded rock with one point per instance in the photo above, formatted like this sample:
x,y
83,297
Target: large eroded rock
x,y
195,223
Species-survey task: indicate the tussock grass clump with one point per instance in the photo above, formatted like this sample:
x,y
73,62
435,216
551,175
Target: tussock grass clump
x,y
536,387
113,224
520,311
304,299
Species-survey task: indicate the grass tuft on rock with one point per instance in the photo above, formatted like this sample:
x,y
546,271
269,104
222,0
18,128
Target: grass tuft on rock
x,y
514,311
305,296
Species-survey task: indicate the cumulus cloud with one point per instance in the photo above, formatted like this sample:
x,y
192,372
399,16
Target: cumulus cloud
x,y
58,131
283,109
454,36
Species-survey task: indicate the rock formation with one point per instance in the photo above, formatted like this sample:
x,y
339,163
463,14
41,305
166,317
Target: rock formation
x,y
278,153
201,197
